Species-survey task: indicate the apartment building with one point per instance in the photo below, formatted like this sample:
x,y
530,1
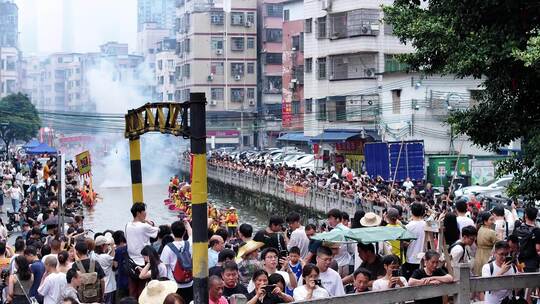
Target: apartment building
x,y
31,78
217,55
356,91
165,70
270,37
292,117
9,24
9,70
161,12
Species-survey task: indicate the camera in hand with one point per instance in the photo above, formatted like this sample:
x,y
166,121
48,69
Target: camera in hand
x,y
318,283
395,273
509,259
283,253
269,288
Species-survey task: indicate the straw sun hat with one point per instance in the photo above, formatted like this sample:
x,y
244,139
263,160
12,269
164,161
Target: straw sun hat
x,y
248,248
370,219
156,291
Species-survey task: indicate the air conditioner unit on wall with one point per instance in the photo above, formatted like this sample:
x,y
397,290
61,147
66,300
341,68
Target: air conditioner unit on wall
x,y
251,102
248,24
370,72
219,51
237,77
326,5
213,102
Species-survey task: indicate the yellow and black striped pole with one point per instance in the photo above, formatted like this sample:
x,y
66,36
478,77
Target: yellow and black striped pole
x,y
199,196
136,171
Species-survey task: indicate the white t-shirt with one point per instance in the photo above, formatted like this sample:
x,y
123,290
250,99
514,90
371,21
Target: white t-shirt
x,y
458,252
496,296
300,293
464,221
300,240
417,229
331,281
52,288
169,260
408,185
106,262
138,235
382,283
344,254
285,275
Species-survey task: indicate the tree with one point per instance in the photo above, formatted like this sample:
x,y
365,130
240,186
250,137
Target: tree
x,y
18,119
496,40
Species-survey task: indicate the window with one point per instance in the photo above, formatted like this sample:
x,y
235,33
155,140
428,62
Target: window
x,y
321,109
216,68
250,43
391,64
308,65
186,70
172,79
274,10
321,65
250,17
360,22
336,109
187,43
321,27
273,84
308,25
151,51
251,68
353,66
237,18
250,93
388,29
217,93
170,64
308,105
274,35
274,58
170,97
237,95
237,69
217,43
237,43
396,101
296,42
296,107
216,18
286,15
362,107
160,64
160,79
160,96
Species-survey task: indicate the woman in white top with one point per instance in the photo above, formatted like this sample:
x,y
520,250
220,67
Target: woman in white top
x,y
392,279
311,288
154,268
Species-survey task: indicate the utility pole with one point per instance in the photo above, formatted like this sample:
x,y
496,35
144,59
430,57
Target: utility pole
x,y
199,196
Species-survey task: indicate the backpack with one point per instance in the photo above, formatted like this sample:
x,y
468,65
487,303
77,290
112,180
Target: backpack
x,y
183,269
90,289
526,239
458,243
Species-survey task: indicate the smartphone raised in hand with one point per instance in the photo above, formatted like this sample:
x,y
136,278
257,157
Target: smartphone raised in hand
x,y
395,273
269,288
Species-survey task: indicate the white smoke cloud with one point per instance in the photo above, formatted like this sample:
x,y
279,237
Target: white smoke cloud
x,y
116,91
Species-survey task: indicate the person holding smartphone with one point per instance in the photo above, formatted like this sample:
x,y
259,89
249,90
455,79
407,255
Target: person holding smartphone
x,y
311,288
392,278
261,294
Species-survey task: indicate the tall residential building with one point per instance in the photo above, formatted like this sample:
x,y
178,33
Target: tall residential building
x,y
165,70
10,55
9,24
62,83
356,91
31,79
292,117
147,40
161,12
270,37
217,55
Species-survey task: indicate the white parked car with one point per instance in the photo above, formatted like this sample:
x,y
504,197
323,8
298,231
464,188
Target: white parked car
x,y
493,187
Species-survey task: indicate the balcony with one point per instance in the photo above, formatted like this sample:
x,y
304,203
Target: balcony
x,y
180,3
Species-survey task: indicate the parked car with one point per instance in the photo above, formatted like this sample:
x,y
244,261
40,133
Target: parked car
x,y
493,187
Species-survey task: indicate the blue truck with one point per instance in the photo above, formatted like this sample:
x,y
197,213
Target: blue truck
x,y
382,158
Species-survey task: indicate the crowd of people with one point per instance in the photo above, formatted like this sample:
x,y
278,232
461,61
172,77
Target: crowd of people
x,y
148,262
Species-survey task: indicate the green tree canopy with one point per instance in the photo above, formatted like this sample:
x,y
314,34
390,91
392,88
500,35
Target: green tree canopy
x,y
496,40
18,119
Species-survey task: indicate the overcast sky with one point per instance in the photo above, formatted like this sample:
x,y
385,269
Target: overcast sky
x,y
90,23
